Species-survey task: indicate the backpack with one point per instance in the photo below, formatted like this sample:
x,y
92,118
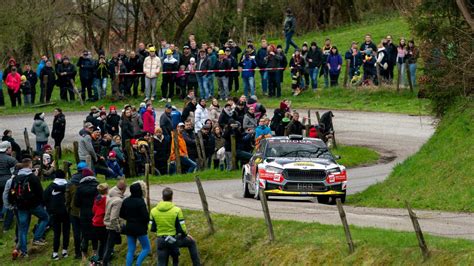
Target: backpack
x,y
20,194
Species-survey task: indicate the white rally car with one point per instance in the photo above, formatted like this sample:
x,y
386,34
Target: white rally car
x,y
294,166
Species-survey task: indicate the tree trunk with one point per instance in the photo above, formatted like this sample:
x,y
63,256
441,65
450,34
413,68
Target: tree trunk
x,y
186,20
136,18
467,14
110,12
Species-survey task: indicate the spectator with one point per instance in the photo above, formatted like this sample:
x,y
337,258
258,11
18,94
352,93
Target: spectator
x,y
263,129
162,148
223,64
175,116
369,67
208,142
86,73
324,67
112,220
212,57
234,128
134,65
189,110
297,70
260,110
304,53
28,200
190,139
203,64
182,150
249,119
55,202
66,73
11,64
127,126
135,212
101,73
355,56
16,149
402,52
59,129
283,63
201,115
165,121
7,165
25,88
382,61
32,79
41,130
272,60
214,111
149,120
192,81
167,86
74,212
412,57
219,151
85,144
226,115
368,44
116,146
84,200
47,168
233,75
314,60
151,69
248,64
98,210
391,57
334,64
260,59
181,82
278,115
289,29
114,165
113,121
295,126
13,82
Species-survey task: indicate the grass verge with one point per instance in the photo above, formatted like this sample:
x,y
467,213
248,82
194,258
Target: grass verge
x,y
439,176
243,241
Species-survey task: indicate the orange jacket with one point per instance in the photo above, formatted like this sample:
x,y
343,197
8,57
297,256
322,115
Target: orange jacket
x,y
183,151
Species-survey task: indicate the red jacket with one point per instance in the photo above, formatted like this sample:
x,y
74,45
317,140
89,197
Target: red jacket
x,y
13,82
99,211
149,122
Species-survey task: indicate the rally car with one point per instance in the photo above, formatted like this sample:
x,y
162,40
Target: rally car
x,y
294,166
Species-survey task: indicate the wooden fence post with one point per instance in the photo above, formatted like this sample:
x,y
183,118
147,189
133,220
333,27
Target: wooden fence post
x,y
27,142
75,149
200,158
346,74
66,169
407,66
176,151
399,68
318,117
56,157
205,206
203,150
233,145
379,77
419,234
130,158
266,214
151,144
347,231
147,182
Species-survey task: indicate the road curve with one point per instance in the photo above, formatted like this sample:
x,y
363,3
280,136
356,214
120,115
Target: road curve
x,y
394,136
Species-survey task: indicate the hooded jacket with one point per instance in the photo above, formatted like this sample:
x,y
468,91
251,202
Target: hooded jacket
x,y
249,121
149,122
112,209
151,65
183,151
188,111
71,189
36,189
134,211
13,82
167,220
55,197
200,117
316,57
64,81
59,126
99,211
41,130
84,198
86,148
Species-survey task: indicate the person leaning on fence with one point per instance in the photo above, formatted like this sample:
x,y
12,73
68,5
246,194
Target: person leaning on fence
x,y
167,221
183,152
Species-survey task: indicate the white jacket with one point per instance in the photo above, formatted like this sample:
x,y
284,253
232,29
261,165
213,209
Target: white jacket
x,y
200,116
151,66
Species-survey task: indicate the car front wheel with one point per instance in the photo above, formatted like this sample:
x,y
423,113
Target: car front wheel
x,y
245,187
257,189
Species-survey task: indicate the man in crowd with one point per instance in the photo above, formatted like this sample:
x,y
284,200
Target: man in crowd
x,y
86,73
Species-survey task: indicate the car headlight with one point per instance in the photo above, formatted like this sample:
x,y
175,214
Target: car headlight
x,y
273,170
333,170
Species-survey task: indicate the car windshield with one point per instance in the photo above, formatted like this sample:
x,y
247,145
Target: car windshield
x,y
304,150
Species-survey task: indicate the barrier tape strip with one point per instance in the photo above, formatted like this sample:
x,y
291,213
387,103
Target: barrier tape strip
x,y
208,71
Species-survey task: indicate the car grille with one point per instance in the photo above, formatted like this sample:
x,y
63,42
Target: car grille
x,y
305,187
305,175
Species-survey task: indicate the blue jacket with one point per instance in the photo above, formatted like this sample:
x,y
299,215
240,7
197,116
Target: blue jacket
x,y
334,60
86,68
40,67
262,130
248,63
260,57
115,167
356,61
175,117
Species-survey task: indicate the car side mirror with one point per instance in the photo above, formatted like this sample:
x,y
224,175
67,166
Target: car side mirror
x,y
337,157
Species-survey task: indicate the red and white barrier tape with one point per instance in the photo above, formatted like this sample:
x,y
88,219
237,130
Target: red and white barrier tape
x,y
208,71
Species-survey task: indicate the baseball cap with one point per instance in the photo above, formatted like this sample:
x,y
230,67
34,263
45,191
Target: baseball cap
x,y
221,52
88,125
180,124
168,52
227,49
4,145
185,47
81,166
152,49
168,106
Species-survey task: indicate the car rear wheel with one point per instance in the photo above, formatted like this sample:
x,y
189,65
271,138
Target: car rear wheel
x,y
245,188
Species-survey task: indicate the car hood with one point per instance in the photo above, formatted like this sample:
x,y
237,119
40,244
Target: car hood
x,y
298,162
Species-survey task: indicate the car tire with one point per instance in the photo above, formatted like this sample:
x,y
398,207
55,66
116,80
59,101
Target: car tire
x,y
323,199
245,188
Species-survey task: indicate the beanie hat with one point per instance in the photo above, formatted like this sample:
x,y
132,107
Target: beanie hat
x,y
102,188
87,172
46,147
279,46
112,108
112,154
81,166
60,174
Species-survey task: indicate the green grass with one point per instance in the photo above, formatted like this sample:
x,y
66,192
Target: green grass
x,y
439,176
353,156
361,99
243,241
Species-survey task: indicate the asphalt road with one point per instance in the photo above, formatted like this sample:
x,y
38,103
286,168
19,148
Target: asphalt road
x,y
394,136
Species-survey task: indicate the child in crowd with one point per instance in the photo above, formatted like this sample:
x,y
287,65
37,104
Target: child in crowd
x,y
98,209
114,165
181,81
25,88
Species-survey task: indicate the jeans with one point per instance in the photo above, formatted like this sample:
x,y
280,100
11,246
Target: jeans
x,y
61,225
86,84
186,163
223,84
401,73
412,74
264,77
76,232
210,82
8,216
289,41
27,99
313,74
165,250
190,243
39,146
150,87
100,87
132,246
203,82
249,85
334,79
24,218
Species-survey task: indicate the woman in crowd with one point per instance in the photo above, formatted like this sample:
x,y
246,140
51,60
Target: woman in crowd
x,y
334,64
